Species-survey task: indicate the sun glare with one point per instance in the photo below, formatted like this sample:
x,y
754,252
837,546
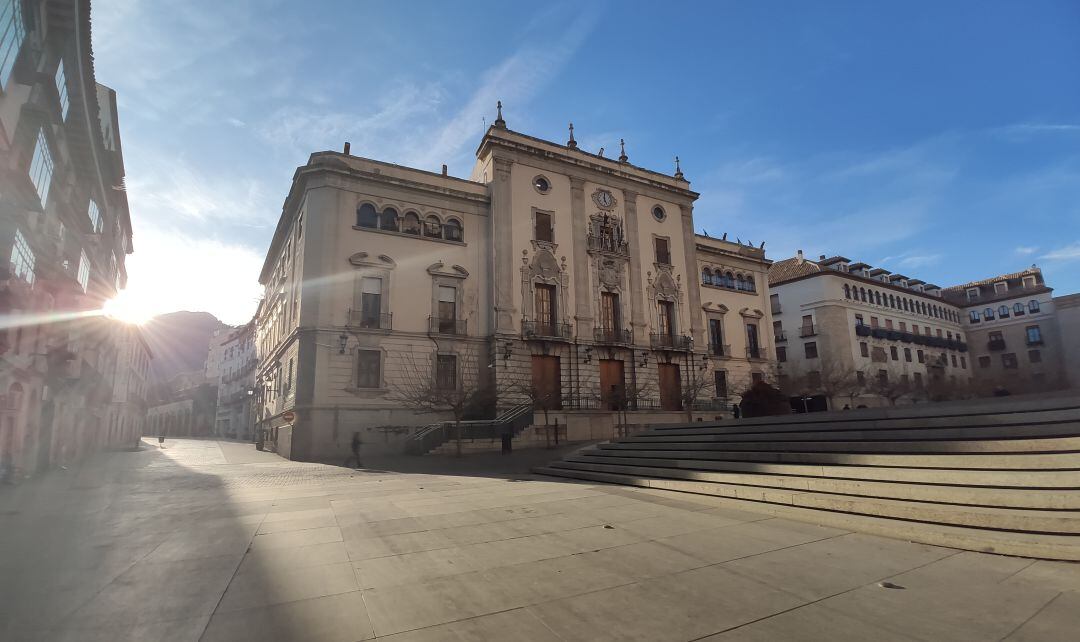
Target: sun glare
x,y
127,309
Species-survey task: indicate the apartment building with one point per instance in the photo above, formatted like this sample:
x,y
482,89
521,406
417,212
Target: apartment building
x,y
236,383
1067,310
1012,328
65,231
550,273
850,334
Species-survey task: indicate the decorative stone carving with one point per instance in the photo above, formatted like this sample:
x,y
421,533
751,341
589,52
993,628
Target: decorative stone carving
x,y
610,273
454,272
363,259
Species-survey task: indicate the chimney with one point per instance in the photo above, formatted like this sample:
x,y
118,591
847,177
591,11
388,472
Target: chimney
x,y
444,169
347,147
799,256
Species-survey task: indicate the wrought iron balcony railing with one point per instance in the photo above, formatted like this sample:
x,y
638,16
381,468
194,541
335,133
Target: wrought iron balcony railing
x,y
614,336
780,336
807,330
370,321
755,352
439,325
545,330
720,349
995,344
670,342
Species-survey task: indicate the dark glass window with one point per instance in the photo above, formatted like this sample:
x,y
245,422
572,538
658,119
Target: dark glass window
x,y
366,216
810,349
663,251
446,372
546,312
368,369
542,230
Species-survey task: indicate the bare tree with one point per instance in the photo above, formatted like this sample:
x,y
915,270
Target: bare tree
x,y
838,380
543,398
690,393
891,389
626,398
418,388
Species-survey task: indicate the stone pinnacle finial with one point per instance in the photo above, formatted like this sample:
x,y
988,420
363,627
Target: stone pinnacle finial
x,y
499,122
678,170
622,151
572,144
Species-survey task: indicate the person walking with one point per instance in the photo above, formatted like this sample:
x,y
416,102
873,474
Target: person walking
x,y
356,449
736,411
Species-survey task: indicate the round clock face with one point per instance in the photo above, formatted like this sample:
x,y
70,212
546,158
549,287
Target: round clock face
x,y
604,198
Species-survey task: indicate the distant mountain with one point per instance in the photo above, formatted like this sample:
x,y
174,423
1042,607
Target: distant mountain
x,y
179,341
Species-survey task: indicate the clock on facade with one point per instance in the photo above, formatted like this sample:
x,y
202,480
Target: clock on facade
x,y
603,198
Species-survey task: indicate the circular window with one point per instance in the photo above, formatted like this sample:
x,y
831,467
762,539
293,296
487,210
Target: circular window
x,y
658,213
542,184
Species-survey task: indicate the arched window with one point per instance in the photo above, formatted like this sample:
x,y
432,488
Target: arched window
x,y
988,314
1003,312
1033,306
750,285
847,291
1018,309
432,227
739,283
706,276
862,292
729,280
389,220
411,223
974,316
892,301
452,230
366,216
877,296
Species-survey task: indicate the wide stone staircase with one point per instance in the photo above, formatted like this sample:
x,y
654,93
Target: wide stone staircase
x,y
997,476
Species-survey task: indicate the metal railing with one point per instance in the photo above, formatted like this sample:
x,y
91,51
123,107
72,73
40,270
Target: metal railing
x,y
670,342
807,331
370,321
995,344
781,336
720,349
439,325
755,352
612,336
431,436
545,330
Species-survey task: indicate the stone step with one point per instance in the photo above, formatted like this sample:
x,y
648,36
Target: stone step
x,y
869,516
964,477
741,427
1011,461
946,446
1060,429
1058,499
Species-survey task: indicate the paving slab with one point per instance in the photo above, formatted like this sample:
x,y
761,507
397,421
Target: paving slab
x,y
207,540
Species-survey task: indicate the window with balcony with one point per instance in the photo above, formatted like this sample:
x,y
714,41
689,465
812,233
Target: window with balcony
x,y
810,349
609,311
753,348
663,253
888,324
781,354
720,383
778,331
41,167
873,322
369,369
12,34
716,337
446,372
22,258
370,302
1008,360
542,229
448,310
546,310
666,319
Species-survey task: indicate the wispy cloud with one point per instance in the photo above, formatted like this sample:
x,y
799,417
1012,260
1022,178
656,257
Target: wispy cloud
x,y
1070,252
911,260
1026,250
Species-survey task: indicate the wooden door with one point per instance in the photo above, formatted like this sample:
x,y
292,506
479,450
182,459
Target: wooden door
x,y
612,384
670,386
546,382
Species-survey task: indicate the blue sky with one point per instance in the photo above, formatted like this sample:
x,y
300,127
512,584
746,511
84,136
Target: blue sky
x,y
941,140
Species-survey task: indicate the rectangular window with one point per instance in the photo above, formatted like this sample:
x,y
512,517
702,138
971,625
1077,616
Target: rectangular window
x,y
894,353
753,348
666,322
972,294
883,377
954,363
1001,287
95,216
1034,356
663,251
781,354
918,379
807,325
61,90
864,349
903,327
370,302
860,377
920,356
546,314
963,362
22,258
41,167
984,361
447,309
888,324
1034,335
716,337
1008,360
720,383
756,377
12,34
542,230
859,320
810,349
368,373
907,355
609,311
774,301
84,271
873,322
446,372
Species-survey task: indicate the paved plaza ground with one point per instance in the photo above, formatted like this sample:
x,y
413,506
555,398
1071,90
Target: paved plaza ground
x,y
215,541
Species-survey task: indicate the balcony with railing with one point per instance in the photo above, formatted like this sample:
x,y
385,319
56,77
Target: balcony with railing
x,y
364,320
439,325
670,342
807,330
1034,341
719,349
862,330
545,330
780,336
613,336
995,344
755,352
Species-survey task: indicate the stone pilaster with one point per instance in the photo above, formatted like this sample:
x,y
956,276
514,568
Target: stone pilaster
x,y
579,228
502,214
693,291
638,324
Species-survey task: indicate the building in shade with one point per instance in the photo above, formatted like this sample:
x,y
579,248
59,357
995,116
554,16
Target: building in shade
x,y
1012,327
236,384
552,276
1067,309
65,232
850,334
